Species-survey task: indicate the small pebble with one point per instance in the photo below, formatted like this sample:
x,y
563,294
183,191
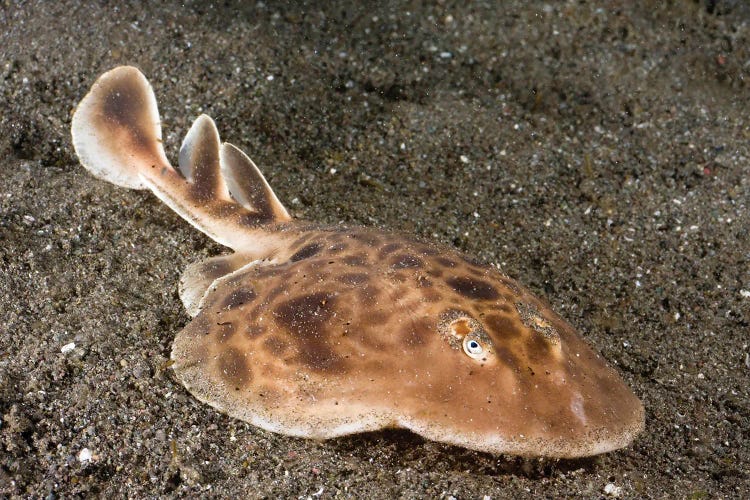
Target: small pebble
x,y
84,456
612,490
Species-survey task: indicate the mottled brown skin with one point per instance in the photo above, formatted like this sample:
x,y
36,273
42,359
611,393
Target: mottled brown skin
x,y
344,331
321,332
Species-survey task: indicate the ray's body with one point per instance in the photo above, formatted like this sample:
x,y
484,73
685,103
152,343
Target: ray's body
x,y
325,331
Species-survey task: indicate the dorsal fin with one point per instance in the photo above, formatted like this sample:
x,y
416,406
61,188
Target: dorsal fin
x,y
117,136
199,160
248,186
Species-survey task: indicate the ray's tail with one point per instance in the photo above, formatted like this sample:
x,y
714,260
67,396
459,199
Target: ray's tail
x,y
216,187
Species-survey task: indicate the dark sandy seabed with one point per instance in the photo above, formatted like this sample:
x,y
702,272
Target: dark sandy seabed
x,y
598,151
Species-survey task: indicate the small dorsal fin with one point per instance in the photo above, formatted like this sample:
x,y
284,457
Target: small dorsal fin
x,y
248,186
199,160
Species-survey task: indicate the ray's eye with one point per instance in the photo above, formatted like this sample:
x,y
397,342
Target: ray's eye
x,y
464,333
473,348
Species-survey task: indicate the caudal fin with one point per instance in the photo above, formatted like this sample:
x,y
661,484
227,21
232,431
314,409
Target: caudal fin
x,y
116,130
117,137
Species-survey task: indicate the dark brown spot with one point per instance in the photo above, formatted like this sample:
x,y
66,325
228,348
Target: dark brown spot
x,y
368,295
307,319
423,282
445,262
306,314
237,298
202,192
435,272
355,260
508,358
427,250
123,106
418,332
377,317
202,166
389,248
225,331
406,261
219,267
538,348
501,326
233,367
353,278
251,219
473,288
306,251
431,295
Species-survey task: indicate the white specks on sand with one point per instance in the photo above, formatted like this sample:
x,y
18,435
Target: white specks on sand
x,y
85,456
613,491
745,294
68,347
